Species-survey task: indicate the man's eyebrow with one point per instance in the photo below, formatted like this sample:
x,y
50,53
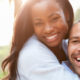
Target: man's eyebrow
x,y
74,37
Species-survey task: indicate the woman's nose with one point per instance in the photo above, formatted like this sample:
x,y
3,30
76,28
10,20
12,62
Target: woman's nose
x,y
48,29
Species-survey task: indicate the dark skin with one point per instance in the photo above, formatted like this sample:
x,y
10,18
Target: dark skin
x,y
50,26
57,50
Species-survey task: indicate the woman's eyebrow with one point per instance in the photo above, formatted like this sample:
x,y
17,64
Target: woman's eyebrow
x,y
52,14
37,19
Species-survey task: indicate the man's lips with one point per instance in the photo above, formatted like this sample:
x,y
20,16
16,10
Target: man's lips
x,y
76,58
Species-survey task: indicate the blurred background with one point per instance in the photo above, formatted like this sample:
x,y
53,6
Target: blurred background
x,y
8,11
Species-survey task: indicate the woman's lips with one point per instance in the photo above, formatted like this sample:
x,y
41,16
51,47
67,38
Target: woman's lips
x,y
52,38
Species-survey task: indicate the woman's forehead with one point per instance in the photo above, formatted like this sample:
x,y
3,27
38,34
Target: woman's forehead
x,y
49,6
46,3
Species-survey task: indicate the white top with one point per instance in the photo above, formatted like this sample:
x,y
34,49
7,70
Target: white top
x,y
66,66
37,62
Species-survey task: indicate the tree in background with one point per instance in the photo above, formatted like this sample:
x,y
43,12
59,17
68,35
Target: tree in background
x,y
77,15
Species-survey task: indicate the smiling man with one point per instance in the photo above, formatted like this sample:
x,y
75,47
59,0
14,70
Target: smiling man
x,y
74,48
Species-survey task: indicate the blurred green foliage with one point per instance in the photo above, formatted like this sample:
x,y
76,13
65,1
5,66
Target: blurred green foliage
x,y
3,74
4,51
77,15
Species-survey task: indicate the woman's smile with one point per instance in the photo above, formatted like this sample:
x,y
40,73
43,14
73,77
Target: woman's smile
x,y
51,38
50,27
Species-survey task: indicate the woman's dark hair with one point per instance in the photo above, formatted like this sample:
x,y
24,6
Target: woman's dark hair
x,y
67,8
23,29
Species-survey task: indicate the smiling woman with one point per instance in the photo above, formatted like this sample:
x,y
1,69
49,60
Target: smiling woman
x,y
37,49
6,29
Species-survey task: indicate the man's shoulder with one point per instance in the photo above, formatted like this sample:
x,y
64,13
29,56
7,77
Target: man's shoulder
x,y
67,65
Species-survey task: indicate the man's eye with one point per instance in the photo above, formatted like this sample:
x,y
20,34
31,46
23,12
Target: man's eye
x,y
74,41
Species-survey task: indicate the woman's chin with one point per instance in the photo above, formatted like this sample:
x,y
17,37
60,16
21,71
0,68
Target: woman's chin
x,y
55,44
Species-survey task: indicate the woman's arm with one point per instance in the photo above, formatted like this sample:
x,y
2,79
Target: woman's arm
x,y
39,64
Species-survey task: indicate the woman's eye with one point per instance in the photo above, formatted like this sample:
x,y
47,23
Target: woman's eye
x,y
38,24
54,19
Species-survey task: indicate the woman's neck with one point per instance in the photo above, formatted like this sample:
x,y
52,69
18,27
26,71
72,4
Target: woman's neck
x,y
59,52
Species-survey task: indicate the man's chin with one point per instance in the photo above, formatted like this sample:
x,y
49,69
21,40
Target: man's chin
x,y
77,70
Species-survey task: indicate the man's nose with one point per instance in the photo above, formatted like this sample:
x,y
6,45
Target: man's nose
x,y
78,47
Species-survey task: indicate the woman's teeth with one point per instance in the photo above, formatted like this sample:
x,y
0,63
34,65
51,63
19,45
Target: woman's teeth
x,y
52,37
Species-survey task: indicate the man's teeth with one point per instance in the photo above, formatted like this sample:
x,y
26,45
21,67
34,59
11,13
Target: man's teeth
x,y
51,37
78,59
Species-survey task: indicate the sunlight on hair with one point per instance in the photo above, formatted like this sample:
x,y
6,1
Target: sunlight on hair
x,y
6,22
23,1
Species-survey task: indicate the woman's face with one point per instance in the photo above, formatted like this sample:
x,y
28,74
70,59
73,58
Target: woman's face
x,y
49,22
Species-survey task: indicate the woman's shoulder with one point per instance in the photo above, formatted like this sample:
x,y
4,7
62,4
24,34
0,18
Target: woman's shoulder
x,y
33,45
34,50
34,53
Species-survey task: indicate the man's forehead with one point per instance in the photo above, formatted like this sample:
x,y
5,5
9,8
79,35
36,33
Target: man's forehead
x,y
75,31
76,27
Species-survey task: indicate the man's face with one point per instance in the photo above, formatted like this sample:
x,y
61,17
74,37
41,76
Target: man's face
x,y
74,48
